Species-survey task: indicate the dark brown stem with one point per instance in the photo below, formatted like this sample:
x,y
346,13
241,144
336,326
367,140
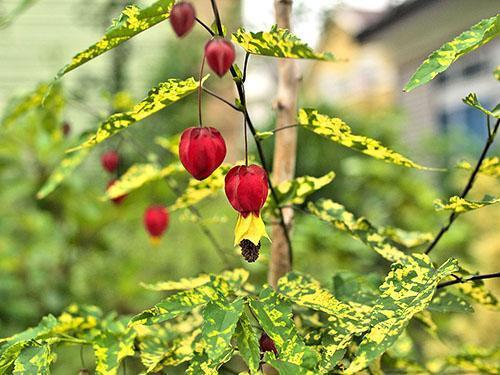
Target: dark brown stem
x,y
205,26
246,140
245,66
200,122
461,280
468,187
211,93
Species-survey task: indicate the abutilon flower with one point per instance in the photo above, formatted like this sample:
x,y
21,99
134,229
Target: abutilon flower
x,y
182,18
202,151
266,344
220,55
246,189
110,161
119,199
156,219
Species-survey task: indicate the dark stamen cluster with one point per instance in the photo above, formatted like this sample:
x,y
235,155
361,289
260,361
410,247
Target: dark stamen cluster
x,y
249,251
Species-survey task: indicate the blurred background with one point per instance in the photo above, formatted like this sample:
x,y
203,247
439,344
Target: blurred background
x,y
73,247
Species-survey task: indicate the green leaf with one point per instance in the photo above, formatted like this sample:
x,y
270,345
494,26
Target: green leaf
x,y
34,360
476,360
137,176
408,239
65,168
170,144
472,101
196,190
407,290
476,291
352,287
183,302
277,43
461,205
438,61
111,347
336,214
220,318
446,302
165,94
131,22
285,368
496,73
248,343
338,131
489,166
274,315
260,136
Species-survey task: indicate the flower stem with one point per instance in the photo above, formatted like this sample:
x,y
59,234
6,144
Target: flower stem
x,y
200,122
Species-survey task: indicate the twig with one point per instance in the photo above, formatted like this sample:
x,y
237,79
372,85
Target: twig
x,y
200,121
467,188
205,26
245,66
461,280
210,92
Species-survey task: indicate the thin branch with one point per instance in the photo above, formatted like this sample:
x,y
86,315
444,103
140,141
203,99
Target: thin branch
x,y
461,280
467,188
205,26
242,96
210,92
200,121
245,66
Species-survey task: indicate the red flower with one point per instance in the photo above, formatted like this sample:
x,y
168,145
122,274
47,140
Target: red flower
x,y
110,161
182,18
220,55
246,189
202,151
119,199
156,221
267,344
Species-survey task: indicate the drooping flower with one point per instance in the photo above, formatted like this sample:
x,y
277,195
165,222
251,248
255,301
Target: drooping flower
x,y
220,55
156,219
202,151
182,18
246,189
110,161
267,344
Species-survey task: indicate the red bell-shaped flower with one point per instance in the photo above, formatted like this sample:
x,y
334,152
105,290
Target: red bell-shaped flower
x,y
220,55
119,199
246,189
202,151
182,18
110,161
156,221
266,344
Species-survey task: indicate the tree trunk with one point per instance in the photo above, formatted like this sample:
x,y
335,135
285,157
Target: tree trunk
x,y
285,146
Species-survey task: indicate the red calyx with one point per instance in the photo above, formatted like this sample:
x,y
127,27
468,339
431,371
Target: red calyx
x,y
247,188
182,18
110,161
119,199
220,55
156,219
267,344
202,151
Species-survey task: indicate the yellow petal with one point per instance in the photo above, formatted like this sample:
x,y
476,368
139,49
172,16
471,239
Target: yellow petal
x,y
251,228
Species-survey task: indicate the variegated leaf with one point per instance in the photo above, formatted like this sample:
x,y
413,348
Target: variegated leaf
x,y
440,60
248,343
131,22
461,205
274,314
170,144
285,368
277,43
137,176
202,365
34,360
496,73
489,166
336,214
65,168
220,318
476,360
473,101
183,302
338,131
446,302
406,291
111,347
196,191
477,291
165,94
408,239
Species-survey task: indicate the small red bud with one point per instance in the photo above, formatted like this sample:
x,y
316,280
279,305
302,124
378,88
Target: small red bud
x,y
66,128
156,221
182,18
117,200
220,55
246,188
202,151
110,161
267,344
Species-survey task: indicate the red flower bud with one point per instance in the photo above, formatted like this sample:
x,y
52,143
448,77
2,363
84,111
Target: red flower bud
x,y
246,189
156,220
119,199
110,161
267,344
220,55
66,128
182,18
202,151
